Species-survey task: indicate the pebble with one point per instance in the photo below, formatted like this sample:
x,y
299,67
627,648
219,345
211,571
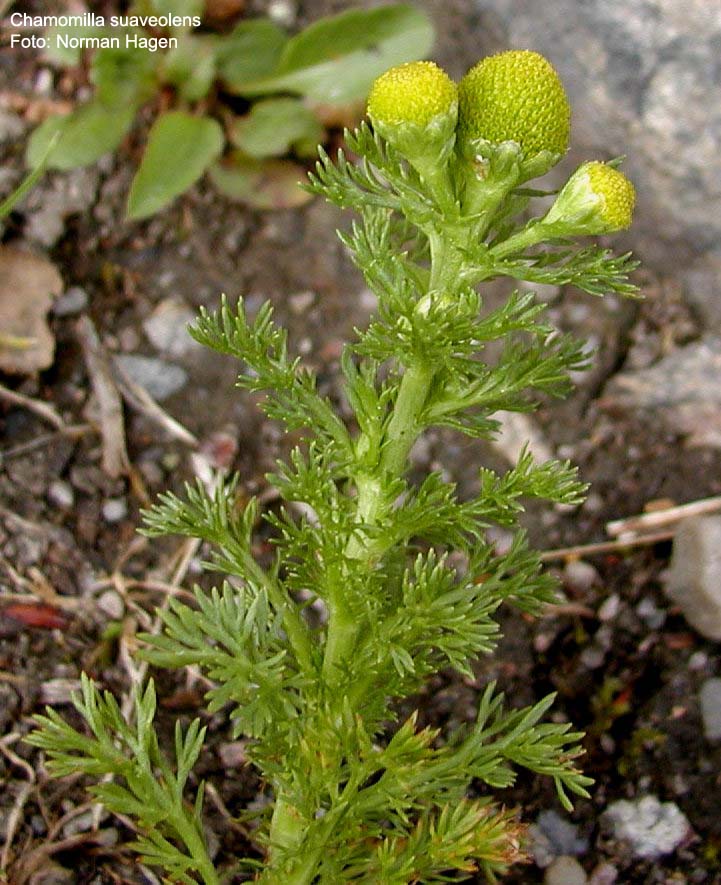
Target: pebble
x,y
579,575
300,302
74,300
649,612
111,603
710,701
11,126
565,870
115,510
609,608
283,12
552,836
603,874
61,494
161,379
167,328
651,828
693,579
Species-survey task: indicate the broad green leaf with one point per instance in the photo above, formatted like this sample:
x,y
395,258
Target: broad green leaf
x,y
84,136
124,76
190,67
252,50
274,126
180,148
66,55
335,60
262,184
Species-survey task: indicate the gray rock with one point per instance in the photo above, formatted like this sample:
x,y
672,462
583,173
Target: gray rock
x,y
710,700
651,828
73,301
693,579
565,870
61,494
649,612
56,197
115,510
603,874
161,379
11,126
643,79
579,575
685,387
552,836
167,328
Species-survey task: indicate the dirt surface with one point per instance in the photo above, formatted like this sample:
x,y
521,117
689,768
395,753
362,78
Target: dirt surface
x,y
77,582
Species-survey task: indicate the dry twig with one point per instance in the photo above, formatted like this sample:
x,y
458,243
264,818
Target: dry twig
x,y
646,521
112,423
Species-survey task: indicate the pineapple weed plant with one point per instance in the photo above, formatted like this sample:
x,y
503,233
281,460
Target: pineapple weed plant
x,y
439,188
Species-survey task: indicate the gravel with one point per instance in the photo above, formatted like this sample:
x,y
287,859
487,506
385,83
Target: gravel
x,y
710,701
651,828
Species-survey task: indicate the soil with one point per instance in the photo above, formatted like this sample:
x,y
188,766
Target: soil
x,y
78,581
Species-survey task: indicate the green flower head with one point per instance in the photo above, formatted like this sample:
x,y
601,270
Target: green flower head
x,y
596,199
616,194
416,93
515,96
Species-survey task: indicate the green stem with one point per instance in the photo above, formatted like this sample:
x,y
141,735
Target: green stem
x,y
344,627
532,235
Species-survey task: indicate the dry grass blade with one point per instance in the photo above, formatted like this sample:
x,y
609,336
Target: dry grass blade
x,y
112,422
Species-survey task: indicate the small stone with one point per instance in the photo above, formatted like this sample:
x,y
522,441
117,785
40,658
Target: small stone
x,y
603,874
693,580
283,12
82,823
111,603
553,836
579,575
649,612
609,608
74,300
651,828
167,328
115,510
592,657
698,661
565,870
159,378
710,700
59,691
11,126
301,302
61,494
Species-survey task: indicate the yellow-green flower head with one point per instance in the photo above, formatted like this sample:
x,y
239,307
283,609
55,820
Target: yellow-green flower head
x,y
416,92
596,199
515,96
615,191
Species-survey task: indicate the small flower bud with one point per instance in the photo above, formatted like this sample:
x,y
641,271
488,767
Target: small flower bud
x,y
596,199
415,93
515,96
